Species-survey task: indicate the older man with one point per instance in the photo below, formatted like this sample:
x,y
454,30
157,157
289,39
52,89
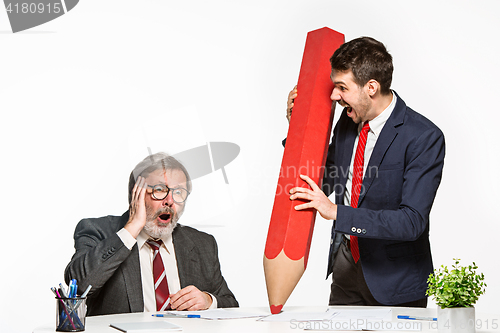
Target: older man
x,y
143,260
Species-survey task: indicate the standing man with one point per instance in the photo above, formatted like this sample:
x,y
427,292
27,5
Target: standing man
x,y
384,164
143,260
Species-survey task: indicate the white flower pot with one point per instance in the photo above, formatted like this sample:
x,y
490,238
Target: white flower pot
x,y
456,320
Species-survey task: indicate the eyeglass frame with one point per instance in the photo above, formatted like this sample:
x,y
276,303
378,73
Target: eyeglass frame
x,y
168,191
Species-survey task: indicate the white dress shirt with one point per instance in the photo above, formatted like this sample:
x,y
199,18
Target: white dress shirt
x,y
376,126
167,254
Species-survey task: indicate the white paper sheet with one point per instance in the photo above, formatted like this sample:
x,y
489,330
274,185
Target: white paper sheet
x,y
301,316
146,327
218,314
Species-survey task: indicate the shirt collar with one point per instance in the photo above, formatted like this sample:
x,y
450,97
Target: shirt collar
x,y
377,124
143,237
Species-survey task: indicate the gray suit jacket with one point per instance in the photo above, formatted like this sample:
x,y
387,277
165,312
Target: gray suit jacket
x,y
103,261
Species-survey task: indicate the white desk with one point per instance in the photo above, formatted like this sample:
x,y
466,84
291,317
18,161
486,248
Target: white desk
x,y
100,324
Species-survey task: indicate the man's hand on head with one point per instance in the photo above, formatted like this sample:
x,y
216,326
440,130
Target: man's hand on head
x,y
137,209
190,299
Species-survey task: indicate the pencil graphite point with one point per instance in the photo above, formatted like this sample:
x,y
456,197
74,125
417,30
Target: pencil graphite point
x,y
275,309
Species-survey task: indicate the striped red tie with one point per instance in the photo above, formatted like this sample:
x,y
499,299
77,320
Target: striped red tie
x,y
357,181
160,277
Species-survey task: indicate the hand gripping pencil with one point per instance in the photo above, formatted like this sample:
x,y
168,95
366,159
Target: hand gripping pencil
x,y
290,231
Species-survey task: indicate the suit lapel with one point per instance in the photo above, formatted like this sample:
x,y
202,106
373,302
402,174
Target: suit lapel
x,y
131,271
387,136
186,263
347,143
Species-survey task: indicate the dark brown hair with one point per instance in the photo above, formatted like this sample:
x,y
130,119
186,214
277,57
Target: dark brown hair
x,y
368,59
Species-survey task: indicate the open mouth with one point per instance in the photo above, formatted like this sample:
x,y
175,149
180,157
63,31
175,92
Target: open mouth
x,y
165,218
345,105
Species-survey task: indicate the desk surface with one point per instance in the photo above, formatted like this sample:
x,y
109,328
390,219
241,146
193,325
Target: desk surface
x,y
100,324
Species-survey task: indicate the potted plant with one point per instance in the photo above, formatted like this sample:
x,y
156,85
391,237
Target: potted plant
x,y
455,291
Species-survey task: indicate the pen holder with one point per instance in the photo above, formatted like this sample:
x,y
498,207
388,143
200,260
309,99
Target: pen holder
x,y
70,314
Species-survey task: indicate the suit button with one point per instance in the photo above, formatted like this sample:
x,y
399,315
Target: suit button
x,y
358,230
353,229
363,231
331,241
104,256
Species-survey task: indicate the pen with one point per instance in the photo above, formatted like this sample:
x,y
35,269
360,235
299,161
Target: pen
x,y
68,293
63,292
82,296
416,318
177,315
72,289
86,291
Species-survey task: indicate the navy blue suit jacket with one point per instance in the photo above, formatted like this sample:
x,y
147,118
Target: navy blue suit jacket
x,y
392,218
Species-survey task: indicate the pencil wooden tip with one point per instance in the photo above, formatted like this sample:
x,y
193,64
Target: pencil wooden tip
x,y
275,309
282,275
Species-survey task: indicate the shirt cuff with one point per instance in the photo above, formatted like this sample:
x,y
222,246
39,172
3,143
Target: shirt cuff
x,y
127,239
214,302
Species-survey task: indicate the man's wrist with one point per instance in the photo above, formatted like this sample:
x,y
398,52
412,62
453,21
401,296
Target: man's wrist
x,y
213,300
133,228
127,238
334,212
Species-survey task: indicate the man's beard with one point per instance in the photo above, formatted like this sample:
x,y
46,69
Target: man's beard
x,y
160,230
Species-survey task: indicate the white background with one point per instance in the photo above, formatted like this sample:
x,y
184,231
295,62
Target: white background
x,y
83,96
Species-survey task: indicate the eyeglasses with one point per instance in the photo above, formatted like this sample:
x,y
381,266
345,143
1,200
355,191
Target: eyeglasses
x,y
161,191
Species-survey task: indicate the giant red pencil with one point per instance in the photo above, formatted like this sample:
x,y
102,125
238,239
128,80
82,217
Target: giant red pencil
x,y
290,231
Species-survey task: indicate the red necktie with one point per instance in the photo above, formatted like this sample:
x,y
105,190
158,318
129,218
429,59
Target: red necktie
x,y
357,181
160,277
